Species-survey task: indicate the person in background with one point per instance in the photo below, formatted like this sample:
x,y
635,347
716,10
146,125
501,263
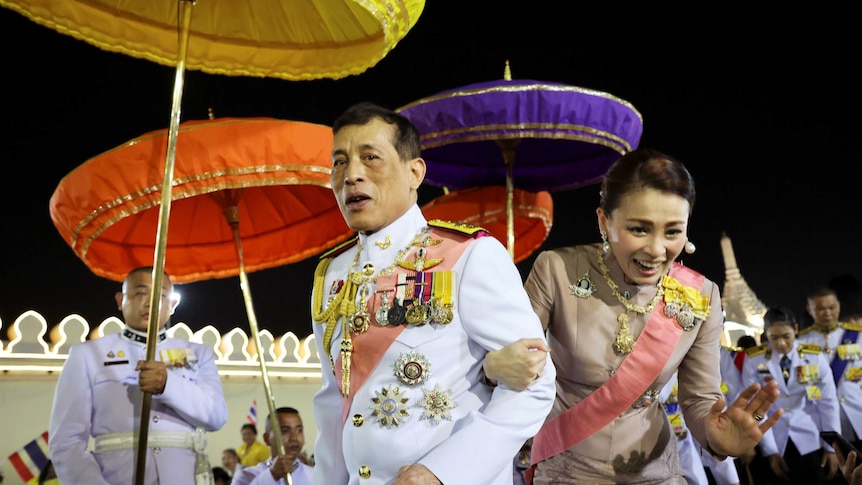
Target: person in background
x,y
221,476
274,470
230,461
621,317
689,452
794,449
840,343
404,315
100,391
251,451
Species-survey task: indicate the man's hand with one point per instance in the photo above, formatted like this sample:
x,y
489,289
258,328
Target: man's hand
x,y
282,466
415,475
518,364
153,376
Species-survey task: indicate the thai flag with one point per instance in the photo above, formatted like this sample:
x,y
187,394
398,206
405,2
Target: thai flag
x,y
29,460
252,413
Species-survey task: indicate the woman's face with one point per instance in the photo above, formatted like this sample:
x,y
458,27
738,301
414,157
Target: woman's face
x,y
780,337
646,233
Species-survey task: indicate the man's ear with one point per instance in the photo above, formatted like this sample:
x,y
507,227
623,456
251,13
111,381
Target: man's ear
x,y
417,169
119,298
266,437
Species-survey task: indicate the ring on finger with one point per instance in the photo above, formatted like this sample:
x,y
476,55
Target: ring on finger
x,y
757,417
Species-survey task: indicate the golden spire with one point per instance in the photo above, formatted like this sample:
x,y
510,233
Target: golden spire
x,y
507,72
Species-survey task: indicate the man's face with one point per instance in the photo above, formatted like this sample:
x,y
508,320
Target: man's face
x,y
134,300
292,434
824,310
372,185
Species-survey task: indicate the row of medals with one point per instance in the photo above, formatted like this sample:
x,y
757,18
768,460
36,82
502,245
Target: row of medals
x,y
417,314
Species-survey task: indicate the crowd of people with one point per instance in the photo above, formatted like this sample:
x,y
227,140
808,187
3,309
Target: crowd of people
x,y
440,365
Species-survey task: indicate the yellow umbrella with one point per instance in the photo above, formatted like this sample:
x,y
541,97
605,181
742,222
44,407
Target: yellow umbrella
x,y
294,40
287,39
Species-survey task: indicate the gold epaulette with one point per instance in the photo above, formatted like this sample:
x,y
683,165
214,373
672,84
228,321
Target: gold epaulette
x,y
806,330
752,351
340,248
855,327
732,349
468,229
808,349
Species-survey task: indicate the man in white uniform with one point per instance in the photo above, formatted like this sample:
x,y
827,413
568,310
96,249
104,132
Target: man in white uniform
x,y
274,471
100,392
404,315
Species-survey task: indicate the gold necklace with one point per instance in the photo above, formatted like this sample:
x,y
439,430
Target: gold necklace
x,y
624,341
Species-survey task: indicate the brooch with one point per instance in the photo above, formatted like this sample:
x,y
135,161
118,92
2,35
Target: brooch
x,y
584,288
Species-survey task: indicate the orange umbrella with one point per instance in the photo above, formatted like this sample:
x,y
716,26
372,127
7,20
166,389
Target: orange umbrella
x,y
272,175
533,214
298,40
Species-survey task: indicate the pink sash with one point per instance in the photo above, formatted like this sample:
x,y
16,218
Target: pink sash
x,y
637,372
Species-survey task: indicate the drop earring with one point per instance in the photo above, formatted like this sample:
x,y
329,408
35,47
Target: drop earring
x,y
606,246
690,248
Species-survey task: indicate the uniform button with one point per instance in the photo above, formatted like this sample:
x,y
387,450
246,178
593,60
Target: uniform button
x,y
358,420
840,399
156,450
365,472
155,419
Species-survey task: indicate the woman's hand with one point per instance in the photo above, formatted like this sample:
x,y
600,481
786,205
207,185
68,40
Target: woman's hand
x,y
736,430
518,364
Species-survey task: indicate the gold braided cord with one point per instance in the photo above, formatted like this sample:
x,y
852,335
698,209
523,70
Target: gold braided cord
x,y
615,290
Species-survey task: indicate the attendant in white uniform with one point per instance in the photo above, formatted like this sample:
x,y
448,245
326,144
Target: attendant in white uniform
x,y
840,343
403,318
100,392
793,446
275,470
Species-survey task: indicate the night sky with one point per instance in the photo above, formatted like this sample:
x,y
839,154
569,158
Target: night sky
x,y
765,115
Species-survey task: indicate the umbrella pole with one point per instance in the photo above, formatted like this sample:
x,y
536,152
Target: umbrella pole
x,y
509,159
162,237
232,215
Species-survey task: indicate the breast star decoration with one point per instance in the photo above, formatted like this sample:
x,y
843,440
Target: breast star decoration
x,y
389,407
436,404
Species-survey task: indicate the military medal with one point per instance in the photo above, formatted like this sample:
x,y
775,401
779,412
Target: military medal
x,y
389,407
437,404
584,288
849,351
382,313
412,368
420,312
397,315
360,320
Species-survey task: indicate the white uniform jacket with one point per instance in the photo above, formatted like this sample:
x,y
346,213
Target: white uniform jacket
x,y
850,382
804,417
425,399
97,393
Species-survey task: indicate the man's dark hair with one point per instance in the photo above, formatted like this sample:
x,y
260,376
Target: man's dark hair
x,y
406,140
250,426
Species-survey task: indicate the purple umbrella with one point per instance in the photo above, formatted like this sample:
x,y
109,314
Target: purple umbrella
x,y
563,136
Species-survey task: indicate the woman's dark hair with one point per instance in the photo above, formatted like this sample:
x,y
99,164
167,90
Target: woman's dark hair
x,y
645,168
250,426
778,315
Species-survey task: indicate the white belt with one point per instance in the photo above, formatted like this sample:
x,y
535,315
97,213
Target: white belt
x,y
157,438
